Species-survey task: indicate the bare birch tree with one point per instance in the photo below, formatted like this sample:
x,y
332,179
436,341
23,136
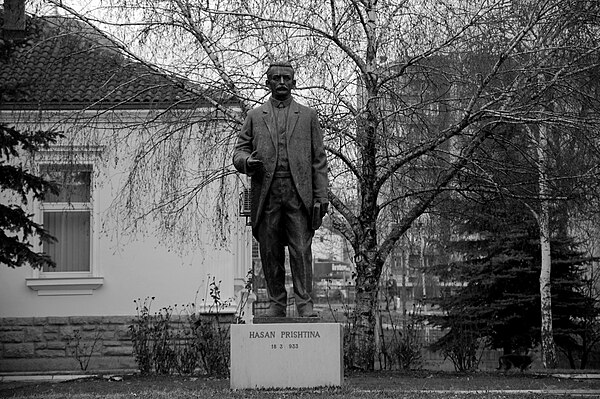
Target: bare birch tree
x,y
407,91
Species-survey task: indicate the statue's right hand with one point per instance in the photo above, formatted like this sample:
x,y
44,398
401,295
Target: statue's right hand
x,y
253,162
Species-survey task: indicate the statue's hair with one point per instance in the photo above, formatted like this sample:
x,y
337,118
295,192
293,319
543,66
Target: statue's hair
x,y
284,64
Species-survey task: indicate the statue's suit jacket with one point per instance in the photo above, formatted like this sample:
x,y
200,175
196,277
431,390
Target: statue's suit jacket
x,y
307,159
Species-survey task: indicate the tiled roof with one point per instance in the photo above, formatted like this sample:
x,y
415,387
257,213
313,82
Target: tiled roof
x,y
65,65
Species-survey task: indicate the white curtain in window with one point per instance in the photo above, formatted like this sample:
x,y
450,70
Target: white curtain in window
x,y
72,230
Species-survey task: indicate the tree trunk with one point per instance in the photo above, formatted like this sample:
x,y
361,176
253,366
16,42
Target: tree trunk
x,y
368,264
584,357
547,336
405,260
422,267
365,311
548,346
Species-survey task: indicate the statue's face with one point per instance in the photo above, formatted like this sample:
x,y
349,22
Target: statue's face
x,y
281,82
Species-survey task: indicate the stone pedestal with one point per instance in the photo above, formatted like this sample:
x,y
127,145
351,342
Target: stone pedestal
x,y
286,355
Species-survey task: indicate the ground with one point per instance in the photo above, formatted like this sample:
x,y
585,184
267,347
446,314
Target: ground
x,y
416,384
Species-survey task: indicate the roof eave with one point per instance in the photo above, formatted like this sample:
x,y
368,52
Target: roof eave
x,y
105,106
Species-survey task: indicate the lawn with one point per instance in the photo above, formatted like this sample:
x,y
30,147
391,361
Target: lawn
x,y
418,385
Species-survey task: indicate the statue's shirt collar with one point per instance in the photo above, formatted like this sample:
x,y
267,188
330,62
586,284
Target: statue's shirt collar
x,y
281,104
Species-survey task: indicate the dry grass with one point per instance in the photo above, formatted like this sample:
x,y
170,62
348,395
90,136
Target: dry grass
x,y
417,385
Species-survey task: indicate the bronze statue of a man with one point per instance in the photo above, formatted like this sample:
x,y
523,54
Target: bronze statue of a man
x,y
280,146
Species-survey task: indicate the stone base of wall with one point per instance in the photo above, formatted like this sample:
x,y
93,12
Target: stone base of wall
x,y
29,344
48,344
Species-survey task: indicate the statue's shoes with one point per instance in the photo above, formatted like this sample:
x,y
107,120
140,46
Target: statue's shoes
x,y
274,312
307,311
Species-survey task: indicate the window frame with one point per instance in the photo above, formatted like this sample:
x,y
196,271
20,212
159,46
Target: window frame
x,y
69,283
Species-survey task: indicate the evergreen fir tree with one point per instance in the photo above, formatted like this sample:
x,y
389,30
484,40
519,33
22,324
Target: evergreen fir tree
x,y
17,185
496,275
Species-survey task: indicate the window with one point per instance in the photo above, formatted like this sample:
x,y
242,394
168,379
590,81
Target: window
x,y
68,216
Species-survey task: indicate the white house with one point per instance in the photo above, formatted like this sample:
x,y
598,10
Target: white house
x,y
54,75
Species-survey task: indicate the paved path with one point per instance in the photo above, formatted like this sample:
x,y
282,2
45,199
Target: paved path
x,y
43,377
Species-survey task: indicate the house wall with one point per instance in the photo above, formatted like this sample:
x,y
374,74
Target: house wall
x,y
29,344
132,267
138,270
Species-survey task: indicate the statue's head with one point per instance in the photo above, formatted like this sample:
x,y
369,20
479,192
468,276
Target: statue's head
x,y
280,80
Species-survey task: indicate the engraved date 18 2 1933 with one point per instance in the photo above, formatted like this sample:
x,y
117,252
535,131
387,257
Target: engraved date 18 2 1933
x,y
284,346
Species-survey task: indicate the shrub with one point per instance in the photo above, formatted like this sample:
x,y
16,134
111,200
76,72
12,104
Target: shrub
x,y
401,341
211,343
181,340
141,331
463,345
82,350
408,343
